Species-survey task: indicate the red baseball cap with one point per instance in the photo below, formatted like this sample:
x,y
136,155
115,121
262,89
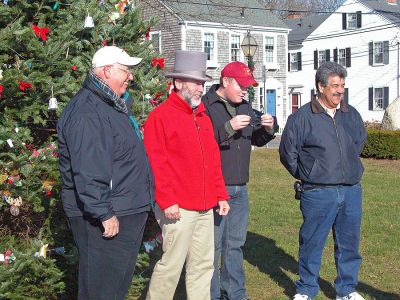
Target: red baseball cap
x,y
240,72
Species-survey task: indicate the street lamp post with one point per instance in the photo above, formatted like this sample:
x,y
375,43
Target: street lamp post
x,y
249,47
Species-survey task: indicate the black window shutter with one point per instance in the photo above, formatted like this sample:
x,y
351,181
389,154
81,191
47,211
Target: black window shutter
x,y
299,61
335,51
386,52
371,98
359,19
315,59
371,53
346,95
312,94
344,21
288,62
328,55
385,97
348,57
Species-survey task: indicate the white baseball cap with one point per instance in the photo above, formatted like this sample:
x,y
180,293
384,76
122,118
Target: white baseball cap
x,y
109,55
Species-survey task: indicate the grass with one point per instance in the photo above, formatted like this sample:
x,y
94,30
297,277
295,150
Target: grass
x,y
272,242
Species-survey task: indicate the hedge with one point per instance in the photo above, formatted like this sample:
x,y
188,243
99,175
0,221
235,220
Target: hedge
x,y
382,144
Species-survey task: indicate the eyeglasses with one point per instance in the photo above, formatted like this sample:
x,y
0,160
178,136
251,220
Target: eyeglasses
x,y
127,71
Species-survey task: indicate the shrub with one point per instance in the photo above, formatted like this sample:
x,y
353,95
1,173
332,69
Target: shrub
x,y
382,144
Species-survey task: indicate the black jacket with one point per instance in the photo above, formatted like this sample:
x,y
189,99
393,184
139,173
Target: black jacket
x,y
103,164
235,150
320,150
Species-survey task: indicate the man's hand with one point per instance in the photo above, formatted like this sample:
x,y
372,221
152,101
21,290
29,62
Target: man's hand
x,y
172,212
111,227
240,121
223,208
268,122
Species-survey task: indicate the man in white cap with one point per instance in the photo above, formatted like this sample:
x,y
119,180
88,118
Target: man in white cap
x,y
186,163
107,182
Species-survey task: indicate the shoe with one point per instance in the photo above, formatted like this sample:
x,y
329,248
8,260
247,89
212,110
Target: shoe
x,y
301,297
351,296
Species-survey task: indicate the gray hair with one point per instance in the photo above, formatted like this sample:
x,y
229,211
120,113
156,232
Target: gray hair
x,y
326,70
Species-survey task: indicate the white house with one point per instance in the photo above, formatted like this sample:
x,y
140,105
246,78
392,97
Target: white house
x,y
361,35
218,27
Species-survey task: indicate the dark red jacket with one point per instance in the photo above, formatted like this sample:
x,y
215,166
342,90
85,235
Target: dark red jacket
x,y
184,156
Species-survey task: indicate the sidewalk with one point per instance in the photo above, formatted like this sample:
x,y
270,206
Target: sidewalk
x,y
274,144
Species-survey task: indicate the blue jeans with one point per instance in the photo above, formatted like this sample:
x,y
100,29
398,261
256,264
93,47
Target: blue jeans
x,y
339,208
230,235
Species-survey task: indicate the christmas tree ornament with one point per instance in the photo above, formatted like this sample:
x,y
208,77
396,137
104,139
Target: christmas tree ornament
x,y
16,129
1,74
10,143
41,32
43,251
29,64
3,178
113,17
55,6
5,2
14,210
158,62
58,250
24,85
101,2
73,68
1,90
122,6
89,21
53,105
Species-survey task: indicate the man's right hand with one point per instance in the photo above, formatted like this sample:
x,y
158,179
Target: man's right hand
x,y
172,212
111,227
240,121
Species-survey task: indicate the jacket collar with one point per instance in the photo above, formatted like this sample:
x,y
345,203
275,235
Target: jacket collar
x,y
317,107
181,104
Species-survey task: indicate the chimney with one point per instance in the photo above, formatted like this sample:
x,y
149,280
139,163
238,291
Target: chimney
x,y
294,15
391,2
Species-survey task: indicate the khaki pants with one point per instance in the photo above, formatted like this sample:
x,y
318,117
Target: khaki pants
x,y
190,239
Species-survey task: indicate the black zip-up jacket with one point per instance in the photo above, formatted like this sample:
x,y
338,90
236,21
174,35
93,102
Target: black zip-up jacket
x,y
235,150
103,164
320,150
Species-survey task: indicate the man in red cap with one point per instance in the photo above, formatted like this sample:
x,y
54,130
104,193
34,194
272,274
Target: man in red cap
x,y
236,129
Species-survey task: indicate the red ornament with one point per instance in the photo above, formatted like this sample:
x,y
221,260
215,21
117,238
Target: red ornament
x,y
104,43
35,153
55,154
73,68
148,34
7,256
41,32
9,181
49,193
1,90
157,62
51,146
24,85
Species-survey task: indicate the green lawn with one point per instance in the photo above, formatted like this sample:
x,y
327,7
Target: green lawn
x,y
271,248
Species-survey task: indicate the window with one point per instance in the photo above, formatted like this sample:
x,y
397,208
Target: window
x,y
378,98
342,57
378,53
294,63
209,45
269,49
235,47
295,102
155,38
261,99
351,20
320,57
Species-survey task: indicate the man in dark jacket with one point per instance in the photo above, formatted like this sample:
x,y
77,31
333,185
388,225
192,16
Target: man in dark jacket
x,y
107,182
236,128
321,146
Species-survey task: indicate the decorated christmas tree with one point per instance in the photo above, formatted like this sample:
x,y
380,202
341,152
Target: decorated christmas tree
x,y
45,53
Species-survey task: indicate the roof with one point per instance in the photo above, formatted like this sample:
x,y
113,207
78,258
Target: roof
x,y
238,12
390,11
303,27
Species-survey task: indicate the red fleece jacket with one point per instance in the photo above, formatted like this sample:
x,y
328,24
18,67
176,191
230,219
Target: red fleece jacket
x,y
184,156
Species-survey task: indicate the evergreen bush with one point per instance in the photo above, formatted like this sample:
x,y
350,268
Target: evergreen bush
x,y
382,144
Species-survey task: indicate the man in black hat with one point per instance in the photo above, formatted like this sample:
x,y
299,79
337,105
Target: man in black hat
x,y
186,163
